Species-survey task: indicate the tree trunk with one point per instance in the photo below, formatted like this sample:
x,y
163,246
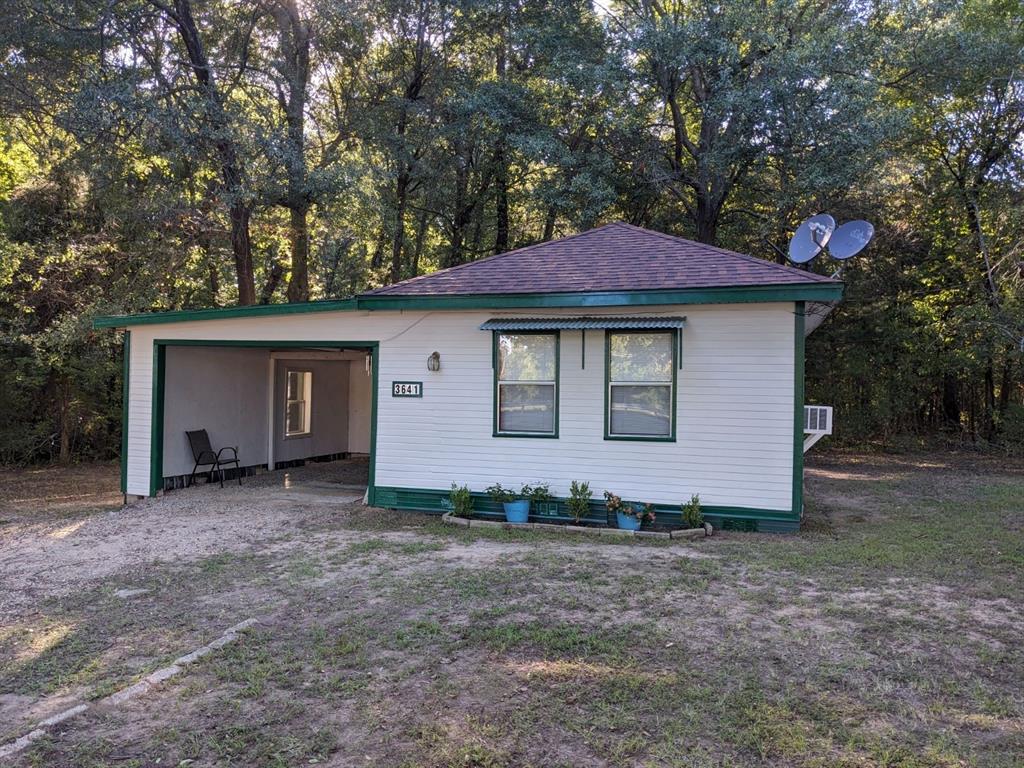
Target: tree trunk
x,y
293,47
421,234
377,260
273,281
501,199
549,224
241,247
706,220
298,232
231,172
398,233
1006,385
988,425
500,161
950,402
65,426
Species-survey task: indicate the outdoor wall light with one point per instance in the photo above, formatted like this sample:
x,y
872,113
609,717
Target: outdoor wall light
x,y
434,362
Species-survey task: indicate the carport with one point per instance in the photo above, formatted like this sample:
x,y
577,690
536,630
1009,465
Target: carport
x,y
282,403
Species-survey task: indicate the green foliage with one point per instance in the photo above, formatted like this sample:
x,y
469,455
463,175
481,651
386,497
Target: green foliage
x,y
579,500
693,517
614,504
535,493
461,501
426,136
500,495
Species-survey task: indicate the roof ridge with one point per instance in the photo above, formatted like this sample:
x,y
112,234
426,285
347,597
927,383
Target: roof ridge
x,y
385,288
745,256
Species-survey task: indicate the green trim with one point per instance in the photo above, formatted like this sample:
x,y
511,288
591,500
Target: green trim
x,y
676,344
156,459
265,343
761,293
126,362
435,501
826,292
798,409
374,368
494,377
156,426
223,313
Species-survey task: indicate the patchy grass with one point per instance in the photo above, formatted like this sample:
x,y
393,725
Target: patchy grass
x,y
885,635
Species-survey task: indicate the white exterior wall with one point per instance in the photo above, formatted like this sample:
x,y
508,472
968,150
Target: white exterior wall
x,y
734,435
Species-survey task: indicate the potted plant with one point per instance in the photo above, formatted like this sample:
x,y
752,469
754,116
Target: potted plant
x,y
628,516
517,505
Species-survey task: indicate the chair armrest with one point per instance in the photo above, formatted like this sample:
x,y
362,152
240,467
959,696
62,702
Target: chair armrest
x,y
233,449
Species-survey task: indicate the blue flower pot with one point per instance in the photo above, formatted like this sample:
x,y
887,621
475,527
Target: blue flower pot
x,y
517,511
628,522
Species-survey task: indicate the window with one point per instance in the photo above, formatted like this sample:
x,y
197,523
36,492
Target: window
x,y
641,385
526,384
297,406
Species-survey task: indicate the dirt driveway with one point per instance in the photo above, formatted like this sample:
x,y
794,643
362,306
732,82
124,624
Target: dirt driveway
x,y
886,634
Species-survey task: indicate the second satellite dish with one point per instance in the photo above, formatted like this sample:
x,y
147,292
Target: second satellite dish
x,y
812,236
850,238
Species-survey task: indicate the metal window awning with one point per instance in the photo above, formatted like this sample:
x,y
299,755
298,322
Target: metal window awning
x,y
581,323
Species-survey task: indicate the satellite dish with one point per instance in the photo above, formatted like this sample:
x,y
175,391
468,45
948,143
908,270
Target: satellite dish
x,y
812,236
849,239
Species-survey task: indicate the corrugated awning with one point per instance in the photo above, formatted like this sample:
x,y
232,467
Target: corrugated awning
x,y
580,323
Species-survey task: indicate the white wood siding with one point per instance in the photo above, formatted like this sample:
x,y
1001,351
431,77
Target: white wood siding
x,y
735,404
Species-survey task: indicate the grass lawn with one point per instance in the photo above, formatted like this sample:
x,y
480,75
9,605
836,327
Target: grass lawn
x,y
889,632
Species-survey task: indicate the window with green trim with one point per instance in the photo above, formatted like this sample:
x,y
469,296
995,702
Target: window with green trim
x,y
641,383
526,384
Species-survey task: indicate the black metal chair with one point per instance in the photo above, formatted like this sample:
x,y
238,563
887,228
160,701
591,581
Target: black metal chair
x,y
204,454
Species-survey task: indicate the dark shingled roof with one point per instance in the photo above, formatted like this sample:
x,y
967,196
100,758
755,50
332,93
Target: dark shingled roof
x,y
615,257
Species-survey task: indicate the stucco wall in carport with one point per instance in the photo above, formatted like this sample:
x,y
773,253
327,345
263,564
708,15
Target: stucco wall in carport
x,y
222,390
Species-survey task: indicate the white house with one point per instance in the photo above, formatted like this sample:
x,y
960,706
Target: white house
x,y
645,364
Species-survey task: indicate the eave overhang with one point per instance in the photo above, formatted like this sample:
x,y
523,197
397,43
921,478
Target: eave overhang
x,y
808,292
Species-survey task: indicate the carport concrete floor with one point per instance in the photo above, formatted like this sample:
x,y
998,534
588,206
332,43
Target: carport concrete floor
x,y
328,482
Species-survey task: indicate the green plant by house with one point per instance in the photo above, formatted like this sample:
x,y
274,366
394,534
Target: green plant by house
x,y
693,517
537,494
534,493
462,501
645,512
579,500
642,510
615,504
500,494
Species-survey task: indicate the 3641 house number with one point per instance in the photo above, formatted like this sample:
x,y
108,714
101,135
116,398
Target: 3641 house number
x,y
407,389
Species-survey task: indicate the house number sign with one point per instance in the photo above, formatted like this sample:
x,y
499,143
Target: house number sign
x,y
407,389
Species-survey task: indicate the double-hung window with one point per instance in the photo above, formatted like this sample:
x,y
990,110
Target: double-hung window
x,y
297,406
640,387
526,384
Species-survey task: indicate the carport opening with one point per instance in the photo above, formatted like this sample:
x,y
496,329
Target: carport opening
x,y
282,408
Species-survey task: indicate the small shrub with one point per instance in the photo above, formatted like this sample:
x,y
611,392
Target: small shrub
x,y
579,500
537,494
501,495
461,500
693,517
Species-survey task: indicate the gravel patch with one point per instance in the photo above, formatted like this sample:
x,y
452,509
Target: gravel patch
x,y
49,556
